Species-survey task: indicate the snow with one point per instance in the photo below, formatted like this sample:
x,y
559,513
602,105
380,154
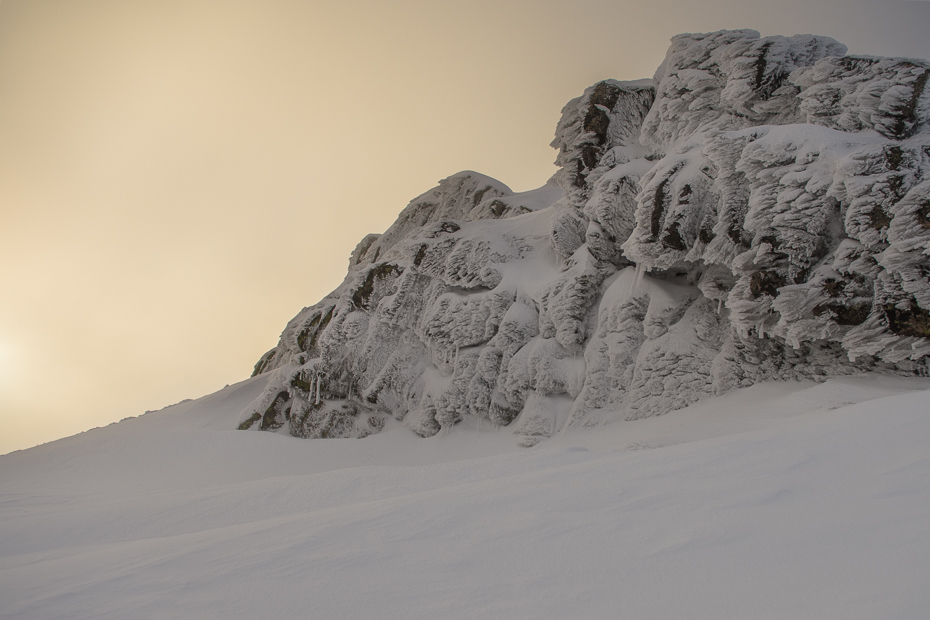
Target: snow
x,y
789,499
757,215
779,184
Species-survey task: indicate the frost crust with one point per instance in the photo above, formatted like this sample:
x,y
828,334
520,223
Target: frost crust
x,y
759,210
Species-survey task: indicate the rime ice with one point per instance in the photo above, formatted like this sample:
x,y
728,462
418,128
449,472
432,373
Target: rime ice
x,y
759,210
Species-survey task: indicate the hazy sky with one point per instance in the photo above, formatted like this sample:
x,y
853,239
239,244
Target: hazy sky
x,y
179,178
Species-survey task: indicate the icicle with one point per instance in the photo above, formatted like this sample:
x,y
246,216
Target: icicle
x,y
640,274
720,306
317,390
637,278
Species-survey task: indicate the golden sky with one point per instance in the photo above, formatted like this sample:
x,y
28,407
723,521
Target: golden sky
x,y
178,178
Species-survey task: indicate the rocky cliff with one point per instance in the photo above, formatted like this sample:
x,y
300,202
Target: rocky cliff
x,y
759,210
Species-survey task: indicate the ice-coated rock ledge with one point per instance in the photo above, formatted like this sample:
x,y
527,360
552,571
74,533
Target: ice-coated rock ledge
x,y
759,210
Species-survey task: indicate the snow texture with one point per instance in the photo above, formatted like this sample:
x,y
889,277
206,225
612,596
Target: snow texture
x,y
759,210
782,500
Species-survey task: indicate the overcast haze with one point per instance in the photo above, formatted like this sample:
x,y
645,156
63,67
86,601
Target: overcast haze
x,y
179,178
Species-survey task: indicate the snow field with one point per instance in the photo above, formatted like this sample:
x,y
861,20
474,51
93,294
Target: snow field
x,y
777,501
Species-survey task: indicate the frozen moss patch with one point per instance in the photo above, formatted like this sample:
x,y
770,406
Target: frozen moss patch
x,y
250,422
381,272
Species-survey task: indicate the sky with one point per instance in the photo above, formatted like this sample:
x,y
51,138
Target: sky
x,y
179,178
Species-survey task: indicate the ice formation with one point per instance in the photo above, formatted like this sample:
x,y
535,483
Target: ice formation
x,y
759,210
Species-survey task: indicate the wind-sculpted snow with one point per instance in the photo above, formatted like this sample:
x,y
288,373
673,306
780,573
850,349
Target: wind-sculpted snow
x,y
729,80
855,93
760,210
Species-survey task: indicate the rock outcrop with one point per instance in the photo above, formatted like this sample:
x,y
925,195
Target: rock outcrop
x,y
759,210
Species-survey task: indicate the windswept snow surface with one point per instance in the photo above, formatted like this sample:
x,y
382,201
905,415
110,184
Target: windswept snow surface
x,y
783,500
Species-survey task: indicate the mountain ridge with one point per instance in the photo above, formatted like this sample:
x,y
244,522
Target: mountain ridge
x,y
759,210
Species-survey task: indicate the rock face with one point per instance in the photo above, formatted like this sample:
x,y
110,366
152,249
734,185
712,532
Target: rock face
x,y
759,210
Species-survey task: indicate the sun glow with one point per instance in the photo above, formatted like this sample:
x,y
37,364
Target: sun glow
x,y
6,366
6,359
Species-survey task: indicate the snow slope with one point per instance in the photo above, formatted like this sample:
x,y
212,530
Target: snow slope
x,y
782,500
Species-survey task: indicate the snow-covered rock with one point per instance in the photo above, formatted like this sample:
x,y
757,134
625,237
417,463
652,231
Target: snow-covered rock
x,y
759,210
